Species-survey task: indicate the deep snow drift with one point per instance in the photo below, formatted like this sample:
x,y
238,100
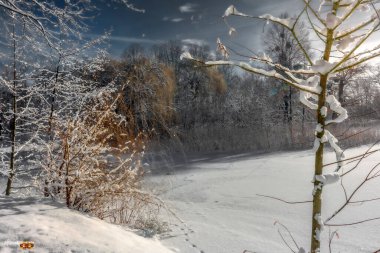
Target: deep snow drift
x,y
54,228
217,200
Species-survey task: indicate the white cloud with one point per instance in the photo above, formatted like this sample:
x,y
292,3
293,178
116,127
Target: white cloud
x,y
176,20
194,42
189,7
128,39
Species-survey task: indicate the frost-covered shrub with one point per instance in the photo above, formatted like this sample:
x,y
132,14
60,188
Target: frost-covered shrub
x,y
85,169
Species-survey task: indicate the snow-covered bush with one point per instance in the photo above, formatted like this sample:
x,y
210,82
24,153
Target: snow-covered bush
x,y
65,134
84,167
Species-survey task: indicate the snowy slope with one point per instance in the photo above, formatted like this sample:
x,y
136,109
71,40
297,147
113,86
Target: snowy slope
x,y
217,199
54,228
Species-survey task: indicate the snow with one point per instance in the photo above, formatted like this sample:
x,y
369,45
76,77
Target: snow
x,y
324,111
323,67
317,143
222,213
309,85
346,2
222,48
231,10
272,73
336,107
312,82
318,218
332,20
304,99
232,31
318,234
329,137
345,43
287,22
319,128
54,228
364,8
186,55
330,178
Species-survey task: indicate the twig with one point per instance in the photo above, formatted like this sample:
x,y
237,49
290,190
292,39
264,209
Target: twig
x,y
332,238
353,223
289,233
367,178
366,154
283,239
284,201
344,188
352,158
363,201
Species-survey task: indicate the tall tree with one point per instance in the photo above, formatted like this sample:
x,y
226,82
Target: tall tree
x,y
280,44
328,23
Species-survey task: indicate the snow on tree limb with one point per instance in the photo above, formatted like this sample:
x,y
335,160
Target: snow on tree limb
x,y
341,34
328,137
304,99
330,178
249,68
305,96
186,55
332,20
130,6
336,107
360,42
289,24
231,10
323,67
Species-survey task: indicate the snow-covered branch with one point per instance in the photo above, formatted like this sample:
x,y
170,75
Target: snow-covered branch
x,y
249,68
288,23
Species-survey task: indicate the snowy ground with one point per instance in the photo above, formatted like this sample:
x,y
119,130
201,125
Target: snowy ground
x,y
53,228
218,202
219,207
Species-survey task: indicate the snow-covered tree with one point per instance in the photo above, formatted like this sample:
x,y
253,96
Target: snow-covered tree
x,y
343,28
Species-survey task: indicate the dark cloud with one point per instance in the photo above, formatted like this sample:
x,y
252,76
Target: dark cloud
x,y
185,20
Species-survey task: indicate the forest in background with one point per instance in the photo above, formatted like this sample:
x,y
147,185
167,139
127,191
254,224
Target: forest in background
x,y
224,110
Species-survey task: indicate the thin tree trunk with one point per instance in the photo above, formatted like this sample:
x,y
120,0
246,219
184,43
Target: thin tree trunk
x,y
290,119
51,116
303,122
67,182
318,186
50,123
12,169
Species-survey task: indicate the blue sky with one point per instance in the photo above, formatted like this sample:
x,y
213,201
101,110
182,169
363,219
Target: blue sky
x,y
196,21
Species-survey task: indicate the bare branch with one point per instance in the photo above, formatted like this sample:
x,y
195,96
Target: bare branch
x,y
284,201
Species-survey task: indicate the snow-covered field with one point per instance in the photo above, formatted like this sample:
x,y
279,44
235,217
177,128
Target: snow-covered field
x,y
218,203
55,229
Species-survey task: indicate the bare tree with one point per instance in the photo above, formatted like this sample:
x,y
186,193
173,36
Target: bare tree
x,y
283,49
